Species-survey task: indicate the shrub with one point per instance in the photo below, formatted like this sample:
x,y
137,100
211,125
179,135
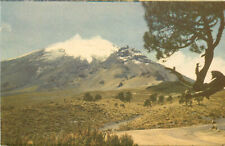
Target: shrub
x,y
125,98
89,137
147,102
185,99
128,96
98,97
126,140
122,105
112,140
161,99
181,100
120,96
153,98
102,82
170,99
88,97
199,99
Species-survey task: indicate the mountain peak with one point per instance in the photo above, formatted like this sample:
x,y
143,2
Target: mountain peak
x,y
131,54
86,49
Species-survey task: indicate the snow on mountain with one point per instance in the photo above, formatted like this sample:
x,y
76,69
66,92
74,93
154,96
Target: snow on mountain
x,y
130,54
86,49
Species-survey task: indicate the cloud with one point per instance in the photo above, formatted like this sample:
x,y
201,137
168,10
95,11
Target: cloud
x,y
96,47
5,27
186,64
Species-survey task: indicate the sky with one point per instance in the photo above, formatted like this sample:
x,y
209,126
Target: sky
x,y
29,26
35,25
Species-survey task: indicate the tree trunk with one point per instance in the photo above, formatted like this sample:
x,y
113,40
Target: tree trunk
x,y
209,54
199,83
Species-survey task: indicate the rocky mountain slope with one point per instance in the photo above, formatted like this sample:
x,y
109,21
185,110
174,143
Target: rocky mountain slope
x,y
55,69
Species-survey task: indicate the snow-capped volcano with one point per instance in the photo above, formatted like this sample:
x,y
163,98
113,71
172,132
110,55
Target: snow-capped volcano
x,y
56,68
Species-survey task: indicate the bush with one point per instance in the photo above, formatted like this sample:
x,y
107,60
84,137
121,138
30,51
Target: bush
x,y
170,99
185,99
120,96
199,99
112,140
122,105
88,97
153,98
181,100
126,140
147,102
128,96
161,99
83,138
98,97
124,98
102,82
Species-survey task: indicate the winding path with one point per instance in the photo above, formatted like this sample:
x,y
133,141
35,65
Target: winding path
x,y
115,125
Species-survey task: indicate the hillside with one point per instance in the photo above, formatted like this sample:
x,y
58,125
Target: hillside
x,y
168,87
54,70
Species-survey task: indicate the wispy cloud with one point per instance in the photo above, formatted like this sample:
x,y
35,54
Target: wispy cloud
x,y
5,27
84,48
186,64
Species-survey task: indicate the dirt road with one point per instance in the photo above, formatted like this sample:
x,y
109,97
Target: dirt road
x,y
194,135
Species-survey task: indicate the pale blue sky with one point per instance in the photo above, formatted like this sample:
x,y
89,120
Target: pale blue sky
x,y
27,26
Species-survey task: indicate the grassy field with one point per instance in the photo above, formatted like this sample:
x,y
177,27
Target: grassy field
x,y
38,116
172,115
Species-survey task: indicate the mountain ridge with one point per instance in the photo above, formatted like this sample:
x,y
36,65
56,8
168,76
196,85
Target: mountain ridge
x,y
124,68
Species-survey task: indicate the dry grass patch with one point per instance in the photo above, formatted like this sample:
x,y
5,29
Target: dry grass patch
x,y
176,115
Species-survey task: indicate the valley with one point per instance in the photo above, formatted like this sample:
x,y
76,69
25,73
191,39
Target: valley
x,y
38,116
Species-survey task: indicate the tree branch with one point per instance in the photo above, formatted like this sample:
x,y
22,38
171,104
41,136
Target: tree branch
x,y
220,31
208,33
211,88
192,39
180,77
197,69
